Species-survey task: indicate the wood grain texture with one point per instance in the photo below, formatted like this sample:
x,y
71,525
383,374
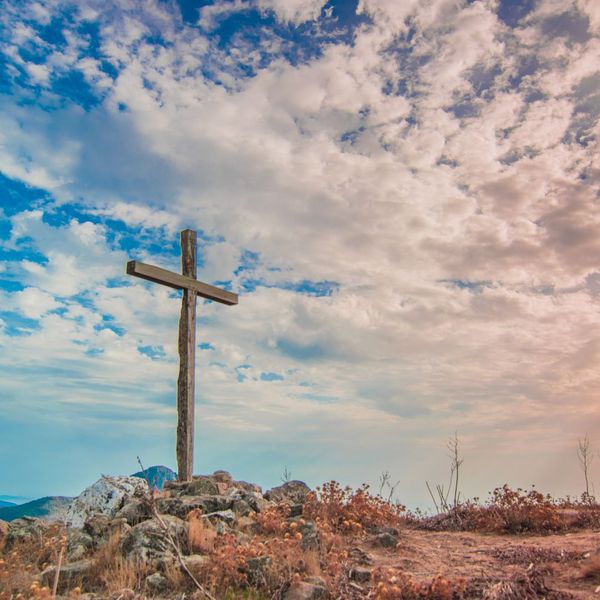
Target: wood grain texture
x,y
180,282
187,361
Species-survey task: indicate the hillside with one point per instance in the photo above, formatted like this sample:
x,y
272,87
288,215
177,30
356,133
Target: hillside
x,y
217,538
3,503
48,508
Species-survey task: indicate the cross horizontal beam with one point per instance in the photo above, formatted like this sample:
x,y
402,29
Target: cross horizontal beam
x,y
180,282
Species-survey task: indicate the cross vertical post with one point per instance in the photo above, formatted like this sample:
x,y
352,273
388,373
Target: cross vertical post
x,y
187,361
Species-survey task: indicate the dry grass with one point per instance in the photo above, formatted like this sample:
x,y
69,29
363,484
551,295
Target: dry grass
x,y
265,563
591,570
202,534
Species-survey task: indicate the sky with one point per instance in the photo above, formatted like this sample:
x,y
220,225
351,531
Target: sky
x,y
405,196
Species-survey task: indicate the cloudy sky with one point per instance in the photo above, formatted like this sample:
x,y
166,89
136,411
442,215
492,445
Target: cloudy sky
x,y
405,195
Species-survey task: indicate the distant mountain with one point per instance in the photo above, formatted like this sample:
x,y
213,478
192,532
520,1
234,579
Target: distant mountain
x,y
15,499
3,503
50,507
156,476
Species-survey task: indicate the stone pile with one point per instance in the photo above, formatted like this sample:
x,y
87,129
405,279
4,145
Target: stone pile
x,y
120,504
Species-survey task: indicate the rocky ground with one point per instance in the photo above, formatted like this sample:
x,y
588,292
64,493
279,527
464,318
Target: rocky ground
x,y
218,538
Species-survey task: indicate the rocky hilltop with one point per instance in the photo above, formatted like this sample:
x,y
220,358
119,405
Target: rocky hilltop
x,y
156,529
216,538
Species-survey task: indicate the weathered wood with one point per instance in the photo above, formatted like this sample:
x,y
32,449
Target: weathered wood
x,y
187,362
180,282
187,339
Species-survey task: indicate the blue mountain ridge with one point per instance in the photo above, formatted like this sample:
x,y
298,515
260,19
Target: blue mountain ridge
x,y
50,506
156,476
47,507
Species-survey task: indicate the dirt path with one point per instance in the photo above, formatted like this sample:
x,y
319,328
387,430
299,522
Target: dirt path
x,y
492,558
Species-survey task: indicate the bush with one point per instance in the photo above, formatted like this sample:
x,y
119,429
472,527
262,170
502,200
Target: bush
x,y
343,510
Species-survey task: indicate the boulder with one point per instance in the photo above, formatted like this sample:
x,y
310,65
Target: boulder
x,y
25,529
360,574
107,496
100,527
149,542
253,498
225,516
222,476
134,512
241,508
247,487
293,492
70,574
305,590
200,486
196,563
78,544
180,506
157,582
256,569
386,540
310,535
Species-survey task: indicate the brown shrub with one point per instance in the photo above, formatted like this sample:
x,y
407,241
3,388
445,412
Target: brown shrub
x,y
392,584
201,533
350,511
506,511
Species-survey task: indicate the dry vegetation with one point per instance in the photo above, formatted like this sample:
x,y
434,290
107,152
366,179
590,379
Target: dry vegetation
x,y
513,546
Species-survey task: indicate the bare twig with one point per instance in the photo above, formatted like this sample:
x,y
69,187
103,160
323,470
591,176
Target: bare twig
x,y
287,475
437,508
585,456
384,482
57,573
456,462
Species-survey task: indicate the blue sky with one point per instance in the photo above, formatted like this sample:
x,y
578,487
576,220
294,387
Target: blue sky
x,y
403,194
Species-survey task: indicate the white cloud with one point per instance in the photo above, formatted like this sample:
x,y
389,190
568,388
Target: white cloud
x,y
457,214
294,11
34,303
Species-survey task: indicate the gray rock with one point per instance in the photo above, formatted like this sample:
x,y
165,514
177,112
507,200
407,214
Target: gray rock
x,y
25,529
175,486
222,476
180,506
157,582
225,516
78,544
70,574
256,569
247,487
305,591
241,508
254,499
196,563
386,540
134,512
148,541
101,527
201,486
107,496
310,535
360,574
294,492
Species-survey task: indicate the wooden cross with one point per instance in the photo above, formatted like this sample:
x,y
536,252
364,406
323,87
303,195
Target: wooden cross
x,y
187,338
